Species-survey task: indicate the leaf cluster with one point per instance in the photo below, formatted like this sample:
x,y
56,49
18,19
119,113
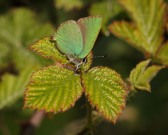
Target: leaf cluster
x,y
146,30
56,88
18,28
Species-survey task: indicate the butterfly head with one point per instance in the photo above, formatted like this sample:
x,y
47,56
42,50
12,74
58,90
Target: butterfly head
x,y
78,62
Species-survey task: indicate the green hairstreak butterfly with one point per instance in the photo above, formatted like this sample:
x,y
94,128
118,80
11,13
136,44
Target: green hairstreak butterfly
x,y
75,39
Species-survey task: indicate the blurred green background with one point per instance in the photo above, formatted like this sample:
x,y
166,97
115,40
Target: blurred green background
x,y
23,22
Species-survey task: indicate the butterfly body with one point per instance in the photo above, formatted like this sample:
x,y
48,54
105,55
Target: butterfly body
x,y
76,61
76,39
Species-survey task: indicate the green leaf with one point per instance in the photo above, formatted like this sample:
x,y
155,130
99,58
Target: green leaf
x,y
163,54
148,21
20,27
46,48
69,4
12,86
141,76
127,32
53,89
106,91
140,68
106,9
4,55
88,63
16,37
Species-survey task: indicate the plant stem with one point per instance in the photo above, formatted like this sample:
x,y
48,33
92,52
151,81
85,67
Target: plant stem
x,y
89,118
34,122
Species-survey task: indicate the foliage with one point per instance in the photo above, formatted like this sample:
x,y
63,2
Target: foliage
x,y
106,91
69,4
141,75
14,40
63,87
163,54
107,9
46,48
13,88
146,31
143,24
48,91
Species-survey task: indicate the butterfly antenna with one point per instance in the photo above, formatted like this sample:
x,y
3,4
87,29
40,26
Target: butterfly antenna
x,y
103,56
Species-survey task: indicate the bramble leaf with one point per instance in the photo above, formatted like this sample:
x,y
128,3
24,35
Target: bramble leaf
x,y
148,21
16,36
4,55
88,62
140,68
46,48
106,9
12,86
69,4
106,91
141,76
163,54
19,28
128,32
53,89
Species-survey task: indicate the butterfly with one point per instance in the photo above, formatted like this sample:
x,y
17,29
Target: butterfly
x,y
76,39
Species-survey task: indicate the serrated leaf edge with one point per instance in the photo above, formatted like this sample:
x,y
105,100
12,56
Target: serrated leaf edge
x,y
140,48
42,54
124,97
44,110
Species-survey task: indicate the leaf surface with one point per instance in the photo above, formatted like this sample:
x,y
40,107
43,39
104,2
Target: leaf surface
x,y
88,62
148,21
127,32
12,86
52,89
141,75
69,4
16,34
46,48
163,54
19,28
106,91
107,10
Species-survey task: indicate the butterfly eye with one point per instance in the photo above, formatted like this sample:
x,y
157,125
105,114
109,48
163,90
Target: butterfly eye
x,y
52,39
84,60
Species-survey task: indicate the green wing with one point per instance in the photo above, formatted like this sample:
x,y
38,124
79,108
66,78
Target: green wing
x,y
69,38
90,27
